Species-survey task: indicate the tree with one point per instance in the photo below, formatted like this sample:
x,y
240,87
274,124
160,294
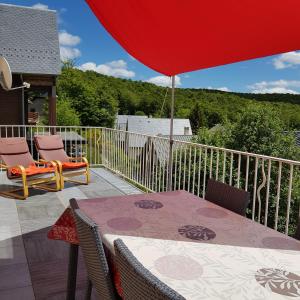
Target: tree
x,y
94,101
219,136
197,117
97,98
139,113
260,130
66,115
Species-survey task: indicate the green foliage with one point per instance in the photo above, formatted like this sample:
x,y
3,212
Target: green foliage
x,y
66,115
260,130
92,100
218,136
97,98
259,124
139,113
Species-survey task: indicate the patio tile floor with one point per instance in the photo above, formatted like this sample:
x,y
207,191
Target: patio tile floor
x,y
31,266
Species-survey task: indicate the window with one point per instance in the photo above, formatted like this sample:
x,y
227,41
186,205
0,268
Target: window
x,y
186,130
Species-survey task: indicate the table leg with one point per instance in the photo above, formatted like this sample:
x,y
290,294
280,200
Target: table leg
x,y
72,272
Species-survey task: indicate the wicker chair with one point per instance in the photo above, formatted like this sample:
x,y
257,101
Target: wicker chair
x,y
229,197
94,256
137,282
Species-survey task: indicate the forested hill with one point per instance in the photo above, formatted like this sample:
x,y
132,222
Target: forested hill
x,y
284,98
94,99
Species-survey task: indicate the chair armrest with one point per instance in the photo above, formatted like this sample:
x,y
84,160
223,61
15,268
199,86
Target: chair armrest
x,y
81,158
21,168
44,162
4,166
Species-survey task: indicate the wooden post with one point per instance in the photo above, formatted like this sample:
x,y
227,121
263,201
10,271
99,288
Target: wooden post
x,y
52,106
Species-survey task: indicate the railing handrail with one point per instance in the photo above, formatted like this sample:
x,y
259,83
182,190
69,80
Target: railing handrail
x,y
238,152
143,160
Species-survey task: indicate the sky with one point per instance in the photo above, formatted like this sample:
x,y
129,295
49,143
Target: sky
x,y
83,39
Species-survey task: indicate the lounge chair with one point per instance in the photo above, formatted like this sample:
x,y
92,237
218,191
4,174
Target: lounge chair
x,y
51,147
227,196
21,168
138,282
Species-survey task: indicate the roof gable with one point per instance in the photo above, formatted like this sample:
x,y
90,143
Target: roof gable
x,y
159,126
29,40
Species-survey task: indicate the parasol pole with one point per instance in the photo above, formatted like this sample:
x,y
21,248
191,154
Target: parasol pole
x,y
171,135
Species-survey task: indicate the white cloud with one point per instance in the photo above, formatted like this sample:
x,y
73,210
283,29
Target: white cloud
x,y
40,6
67,39
67,53
222,88
164,80
277,86
287,60
116,68
67,42
117,64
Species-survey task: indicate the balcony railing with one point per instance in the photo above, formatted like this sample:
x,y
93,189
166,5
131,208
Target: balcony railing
x,y
273,182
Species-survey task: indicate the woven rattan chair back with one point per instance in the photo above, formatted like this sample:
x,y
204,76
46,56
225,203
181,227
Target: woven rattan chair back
x,y
94,256
136,281
227,196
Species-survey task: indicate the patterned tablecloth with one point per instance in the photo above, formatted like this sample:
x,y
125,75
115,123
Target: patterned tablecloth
x,y
199,249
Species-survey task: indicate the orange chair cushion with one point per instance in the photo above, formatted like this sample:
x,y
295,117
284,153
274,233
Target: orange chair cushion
x,y
73,165
32,170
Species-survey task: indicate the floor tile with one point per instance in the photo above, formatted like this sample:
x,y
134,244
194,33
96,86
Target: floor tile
x,y
12,255
41,249
40,210
23,293
29,261
14,276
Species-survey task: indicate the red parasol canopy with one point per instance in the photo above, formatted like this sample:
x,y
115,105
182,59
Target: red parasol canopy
x,y
175,36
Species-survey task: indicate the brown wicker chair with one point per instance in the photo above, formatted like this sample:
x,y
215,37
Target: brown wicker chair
x,y
51,147
227,196
94,256
137,282
21,168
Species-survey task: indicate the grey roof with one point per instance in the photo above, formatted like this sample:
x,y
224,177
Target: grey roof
x,y
160,145
121,121
297,133
29,39
181,138
158,126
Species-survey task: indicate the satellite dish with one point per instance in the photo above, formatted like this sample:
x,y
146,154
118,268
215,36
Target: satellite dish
x,y
6,76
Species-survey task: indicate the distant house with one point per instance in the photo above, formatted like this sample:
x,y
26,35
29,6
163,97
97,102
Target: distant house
x,y
155,127
159,126
122,121
29,42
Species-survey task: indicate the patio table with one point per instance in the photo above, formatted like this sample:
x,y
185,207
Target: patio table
x,y
199,249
